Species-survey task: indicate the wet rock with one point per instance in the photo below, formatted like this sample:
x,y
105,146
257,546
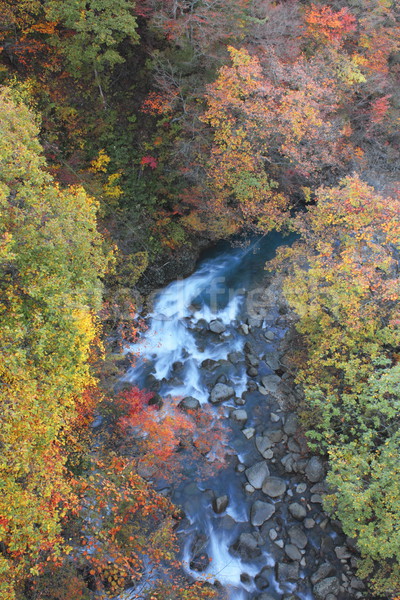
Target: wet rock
x,y
200,560
269,335
252,360
217,326
244,328
297,511
257,474
235,357
219,504
271,383
326,586
287,571
265,597
200,563
292,552
297,537
263,443
239,415
261,579
291,424
239,401
274,487
252,372
261,512
189,403
322,572
274,418
210,364
246,546
245,578
221,392
315,469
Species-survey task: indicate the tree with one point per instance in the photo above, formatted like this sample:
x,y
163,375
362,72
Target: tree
x,y
51,259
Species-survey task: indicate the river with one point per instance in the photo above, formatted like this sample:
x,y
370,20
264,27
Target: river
x,y
221,329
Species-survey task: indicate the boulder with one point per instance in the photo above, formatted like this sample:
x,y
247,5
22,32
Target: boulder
x,y
291,424
297,537
252,360
239,415
189,403
261,512
263,444
327,586
217,326
272,360
257,474
261,579
271,383
274,487
292,552
315,469
246,546
221,392
297,511
287,571
219,504
235,357
322,572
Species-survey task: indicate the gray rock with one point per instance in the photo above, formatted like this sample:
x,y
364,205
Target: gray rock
x,y
257,474
287,571
316,499
342,552
249,488
261,512
219,504
261,579
249,432
252,372
271,383
291,424
269,335
244,328
288,461
297,511
273,534
235,357
315,469
239,415
221,392
293,446
252,360
326,586
297,537
279,543
189,403
322,572
274,487
292,552
274,418
301,488
309,523
263,443
275,435
265,597
247,546
357,584
217,326
272,360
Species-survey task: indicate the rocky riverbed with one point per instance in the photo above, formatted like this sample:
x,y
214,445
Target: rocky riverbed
x,y
258,527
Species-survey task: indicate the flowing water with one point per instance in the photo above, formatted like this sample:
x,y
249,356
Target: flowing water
x,y
172,351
